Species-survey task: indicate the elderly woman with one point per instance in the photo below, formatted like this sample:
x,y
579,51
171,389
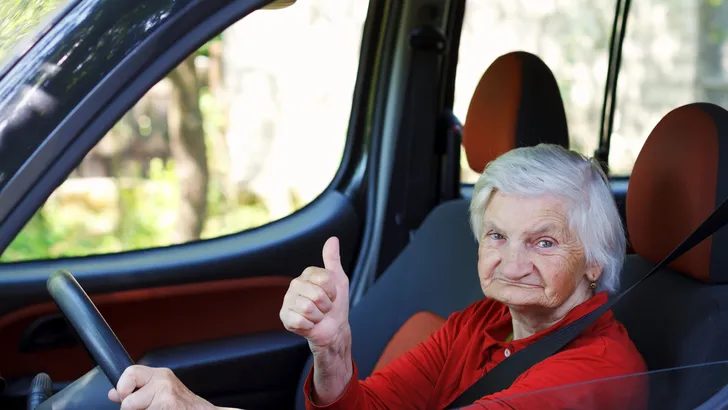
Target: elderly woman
x,y
551,246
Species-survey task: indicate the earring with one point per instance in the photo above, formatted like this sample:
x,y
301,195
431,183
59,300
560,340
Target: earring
x,y
593,285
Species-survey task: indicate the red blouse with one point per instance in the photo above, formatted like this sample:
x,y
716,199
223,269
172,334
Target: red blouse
x,y
470,343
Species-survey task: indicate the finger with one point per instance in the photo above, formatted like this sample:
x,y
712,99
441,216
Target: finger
x,y
306,308
331,256
314,292
294,322
114,396
140,399
135,376
319,277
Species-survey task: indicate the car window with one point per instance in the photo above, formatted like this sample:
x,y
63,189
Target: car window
x,y
63,68
667,389
674,53
571,36
247,130
21,21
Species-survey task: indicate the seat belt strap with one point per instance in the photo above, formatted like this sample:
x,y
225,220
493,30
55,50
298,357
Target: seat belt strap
x,y
504,374
413,189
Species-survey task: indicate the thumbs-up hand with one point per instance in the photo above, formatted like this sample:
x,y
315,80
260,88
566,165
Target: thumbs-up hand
x,y
316,305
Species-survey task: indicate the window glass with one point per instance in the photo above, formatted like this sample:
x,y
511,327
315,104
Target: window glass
x,y
674,53
571,36
21,21
245,131
669,388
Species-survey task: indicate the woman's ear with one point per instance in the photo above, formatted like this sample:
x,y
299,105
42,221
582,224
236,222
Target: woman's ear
x,y
593,272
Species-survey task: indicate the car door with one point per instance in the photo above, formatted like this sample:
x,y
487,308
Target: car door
x,y
184,160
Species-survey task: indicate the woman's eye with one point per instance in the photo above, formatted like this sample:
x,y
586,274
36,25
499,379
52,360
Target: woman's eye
x,y
545,243
495,236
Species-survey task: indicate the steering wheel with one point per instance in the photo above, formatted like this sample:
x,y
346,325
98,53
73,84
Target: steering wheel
x,y
95,334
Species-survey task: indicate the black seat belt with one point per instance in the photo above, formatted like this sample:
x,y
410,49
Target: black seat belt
x,y
504,374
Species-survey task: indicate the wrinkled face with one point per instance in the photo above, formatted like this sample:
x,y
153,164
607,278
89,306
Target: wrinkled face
x,y
528,256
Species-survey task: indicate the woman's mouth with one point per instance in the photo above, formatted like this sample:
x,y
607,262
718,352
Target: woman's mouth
x,y
519,284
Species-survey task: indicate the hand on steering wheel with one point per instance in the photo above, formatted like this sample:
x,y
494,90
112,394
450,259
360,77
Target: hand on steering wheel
x,y
158,389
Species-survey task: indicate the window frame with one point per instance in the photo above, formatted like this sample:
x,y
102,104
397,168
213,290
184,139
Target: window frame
x,y
64,148
621,13
609,102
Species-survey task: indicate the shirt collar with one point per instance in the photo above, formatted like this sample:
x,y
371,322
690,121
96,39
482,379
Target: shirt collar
x,y
501,327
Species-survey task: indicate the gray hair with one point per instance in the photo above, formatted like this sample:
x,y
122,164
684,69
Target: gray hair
x,y
552,169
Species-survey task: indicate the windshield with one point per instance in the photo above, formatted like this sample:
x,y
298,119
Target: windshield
x,y
686,387
21,21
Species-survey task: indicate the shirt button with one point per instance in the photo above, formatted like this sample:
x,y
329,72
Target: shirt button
x,y
507,353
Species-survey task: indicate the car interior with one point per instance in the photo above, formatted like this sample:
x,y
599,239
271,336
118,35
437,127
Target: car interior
x,y
208,308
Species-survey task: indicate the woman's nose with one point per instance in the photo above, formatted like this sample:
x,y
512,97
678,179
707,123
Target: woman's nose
x,y
515,264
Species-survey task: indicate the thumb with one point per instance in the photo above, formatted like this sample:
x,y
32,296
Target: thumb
x,y
332,258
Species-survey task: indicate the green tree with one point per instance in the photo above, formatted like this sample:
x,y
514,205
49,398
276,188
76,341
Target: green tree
x,y
20,20
187,142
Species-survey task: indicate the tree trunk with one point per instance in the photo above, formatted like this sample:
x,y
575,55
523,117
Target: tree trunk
x,y
214,72
187,144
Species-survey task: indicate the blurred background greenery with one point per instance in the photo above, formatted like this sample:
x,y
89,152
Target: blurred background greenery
x,y
215,148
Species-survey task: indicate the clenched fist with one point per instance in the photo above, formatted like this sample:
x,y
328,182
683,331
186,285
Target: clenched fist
x,y
316,305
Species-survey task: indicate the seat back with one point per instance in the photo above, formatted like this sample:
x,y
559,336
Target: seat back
x,y
516,103
676,318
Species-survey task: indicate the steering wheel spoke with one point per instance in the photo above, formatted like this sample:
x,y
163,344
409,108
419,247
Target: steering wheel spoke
x,y
95,334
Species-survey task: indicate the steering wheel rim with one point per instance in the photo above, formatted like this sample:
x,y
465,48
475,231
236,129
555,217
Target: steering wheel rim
x,y
95,334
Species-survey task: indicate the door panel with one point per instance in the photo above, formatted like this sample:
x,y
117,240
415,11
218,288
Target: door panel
x,y
255,369
150,319
251,371
227,291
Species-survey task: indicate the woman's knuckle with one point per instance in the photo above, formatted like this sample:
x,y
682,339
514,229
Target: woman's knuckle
x,y
320,296
288,323
325,278
309,307
319,277
298,322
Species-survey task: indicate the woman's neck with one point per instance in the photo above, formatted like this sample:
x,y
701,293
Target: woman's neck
x,y
528,321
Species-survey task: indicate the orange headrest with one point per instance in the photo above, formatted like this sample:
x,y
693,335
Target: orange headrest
x,y
679,178
517,103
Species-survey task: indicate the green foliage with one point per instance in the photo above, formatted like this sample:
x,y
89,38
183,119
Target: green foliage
x,y
78,225
144,217
205,49
34,241
20,19
89,216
